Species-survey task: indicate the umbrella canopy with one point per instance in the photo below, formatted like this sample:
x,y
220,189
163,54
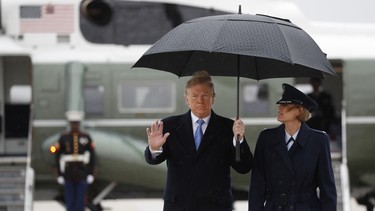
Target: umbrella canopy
x,y
242,45
251,46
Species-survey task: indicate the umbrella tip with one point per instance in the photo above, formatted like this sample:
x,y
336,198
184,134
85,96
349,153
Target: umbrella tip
x,y
239,9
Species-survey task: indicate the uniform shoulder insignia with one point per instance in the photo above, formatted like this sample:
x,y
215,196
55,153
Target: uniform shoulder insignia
x,y
265,129
269,129
318,131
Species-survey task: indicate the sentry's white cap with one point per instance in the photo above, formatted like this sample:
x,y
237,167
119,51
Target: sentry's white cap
x,y
74,116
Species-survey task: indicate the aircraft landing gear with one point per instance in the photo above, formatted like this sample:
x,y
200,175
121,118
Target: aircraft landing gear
x,y
370,207
368,200
93,207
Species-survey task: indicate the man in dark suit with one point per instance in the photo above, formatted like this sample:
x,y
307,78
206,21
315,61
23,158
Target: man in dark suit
x,y
198,177
324,117
292,161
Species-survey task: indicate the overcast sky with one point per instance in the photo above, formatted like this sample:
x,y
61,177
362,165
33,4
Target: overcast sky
x,y
339,10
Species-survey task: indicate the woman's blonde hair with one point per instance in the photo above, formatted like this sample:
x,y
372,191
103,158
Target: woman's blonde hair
x,y
304,114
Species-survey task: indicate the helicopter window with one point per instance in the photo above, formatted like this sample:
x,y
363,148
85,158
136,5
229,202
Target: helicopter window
x,y
129,22
147,96
94,100
255,99
17,112
16,120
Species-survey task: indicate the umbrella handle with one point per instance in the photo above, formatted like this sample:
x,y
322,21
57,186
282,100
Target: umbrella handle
x,y
238,157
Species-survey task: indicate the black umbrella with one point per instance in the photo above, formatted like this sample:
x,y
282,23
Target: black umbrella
x,y
241,45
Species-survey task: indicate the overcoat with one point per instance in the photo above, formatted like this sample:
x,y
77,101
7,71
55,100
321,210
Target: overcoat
x,y
291,180
199,180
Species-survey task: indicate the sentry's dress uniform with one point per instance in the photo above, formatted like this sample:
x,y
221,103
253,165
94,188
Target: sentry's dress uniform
x,y
75,161
283,181
77,149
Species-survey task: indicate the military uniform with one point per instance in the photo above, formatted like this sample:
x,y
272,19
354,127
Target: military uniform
x,y
322,118
289,179
75,161
75,156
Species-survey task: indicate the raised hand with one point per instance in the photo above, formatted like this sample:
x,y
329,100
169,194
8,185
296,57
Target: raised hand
x,y
155,136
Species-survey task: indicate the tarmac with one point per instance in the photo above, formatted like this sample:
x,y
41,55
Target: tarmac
x,y
145,205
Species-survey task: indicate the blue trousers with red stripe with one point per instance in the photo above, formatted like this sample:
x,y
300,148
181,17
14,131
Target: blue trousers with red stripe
x,y
75,195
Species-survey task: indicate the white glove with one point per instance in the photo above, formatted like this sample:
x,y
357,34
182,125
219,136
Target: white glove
x,y
90,179
60,180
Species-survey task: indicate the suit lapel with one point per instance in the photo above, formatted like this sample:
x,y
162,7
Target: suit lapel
x,y
281,148
299,154
185,132
213,128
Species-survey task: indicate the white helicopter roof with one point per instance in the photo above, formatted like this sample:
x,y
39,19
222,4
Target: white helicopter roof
x,y
10,48
343,29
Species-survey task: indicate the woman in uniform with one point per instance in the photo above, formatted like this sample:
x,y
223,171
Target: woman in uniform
x,y
292,162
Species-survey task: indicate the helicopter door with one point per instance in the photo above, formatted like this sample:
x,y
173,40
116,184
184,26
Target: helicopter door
x,y
15,100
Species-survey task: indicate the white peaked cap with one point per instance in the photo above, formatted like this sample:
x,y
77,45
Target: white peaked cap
x,y
74,116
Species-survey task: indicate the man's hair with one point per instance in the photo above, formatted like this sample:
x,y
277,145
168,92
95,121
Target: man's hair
x,y
200,77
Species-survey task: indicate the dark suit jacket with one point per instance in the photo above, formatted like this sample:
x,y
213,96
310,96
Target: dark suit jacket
x,y
287,182
200,180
